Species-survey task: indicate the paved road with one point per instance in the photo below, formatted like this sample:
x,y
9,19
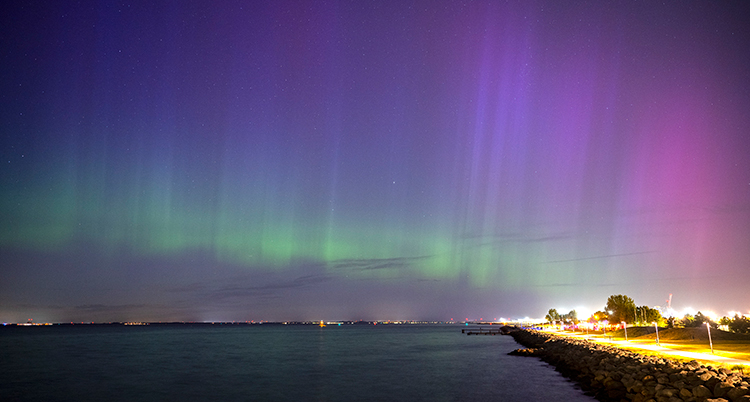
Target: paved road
x,y
672,350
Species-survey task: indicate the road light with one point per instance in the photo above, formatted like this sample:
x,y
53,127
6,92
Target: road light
x,y
710,342
625,327
657,332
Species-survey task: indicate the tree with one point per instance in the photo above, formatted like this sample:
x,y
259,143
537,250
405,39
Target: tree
x,y
688,321
620,308
571,317
599,316
701,319
648,315
552,315
740,325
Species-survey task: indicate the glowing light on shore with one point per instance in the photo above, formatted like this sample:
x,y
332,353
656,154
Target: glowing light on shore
x,y
584,312
711,315
688,310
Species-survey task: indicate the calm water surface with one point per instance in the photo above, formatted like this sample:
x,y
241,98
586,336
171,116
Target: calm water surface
x,y
274,363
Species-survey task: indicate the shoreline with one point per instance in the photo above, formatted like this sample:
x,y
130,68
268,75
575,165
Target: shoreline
x,y
613,374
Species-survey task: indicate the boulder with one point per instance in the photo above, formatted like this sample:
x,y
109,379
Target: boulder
x,y
721,389
736,393
701,392
525,352
705,376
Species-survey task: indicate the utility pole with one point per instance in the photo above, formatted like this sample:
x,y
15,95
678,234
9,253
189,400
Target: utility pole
x,y
710,342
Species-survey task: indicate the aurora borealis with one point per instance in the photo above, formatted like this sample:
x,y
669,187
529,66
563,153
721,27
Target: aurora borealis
x,y
285,160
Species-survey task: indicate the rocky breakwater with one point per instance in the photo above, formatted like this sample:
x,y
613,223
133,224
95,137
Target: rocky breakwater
x,y
612,374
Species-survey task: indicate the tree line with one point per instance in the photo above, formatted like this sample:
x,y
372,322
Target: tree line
x,y
621,308
737,324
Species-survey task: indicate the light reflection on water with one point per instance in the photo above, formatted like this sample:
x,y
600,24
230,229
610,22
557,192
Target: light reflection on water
x,y
364,363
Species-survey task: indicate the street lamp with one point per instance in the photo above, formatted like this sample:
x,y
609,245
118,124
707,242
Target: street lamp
x,y
657,332
625,327
710,342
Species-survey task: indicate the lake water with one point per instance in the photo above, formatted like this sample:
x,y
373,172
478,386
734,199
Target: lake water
x,y
271,363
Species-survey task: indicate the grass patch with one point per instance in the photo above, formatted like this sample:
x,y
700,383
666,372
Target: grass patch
x,y
739,367
738,349
682,339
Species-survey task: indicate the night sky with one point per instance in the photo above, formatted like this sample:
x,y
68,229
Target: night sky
x,y
299,160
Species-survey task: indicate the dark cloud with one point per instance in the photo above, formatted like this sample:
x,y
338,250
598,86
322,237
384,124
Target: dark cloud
x,y
572,285
514,238
367,264
598,257
247,287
